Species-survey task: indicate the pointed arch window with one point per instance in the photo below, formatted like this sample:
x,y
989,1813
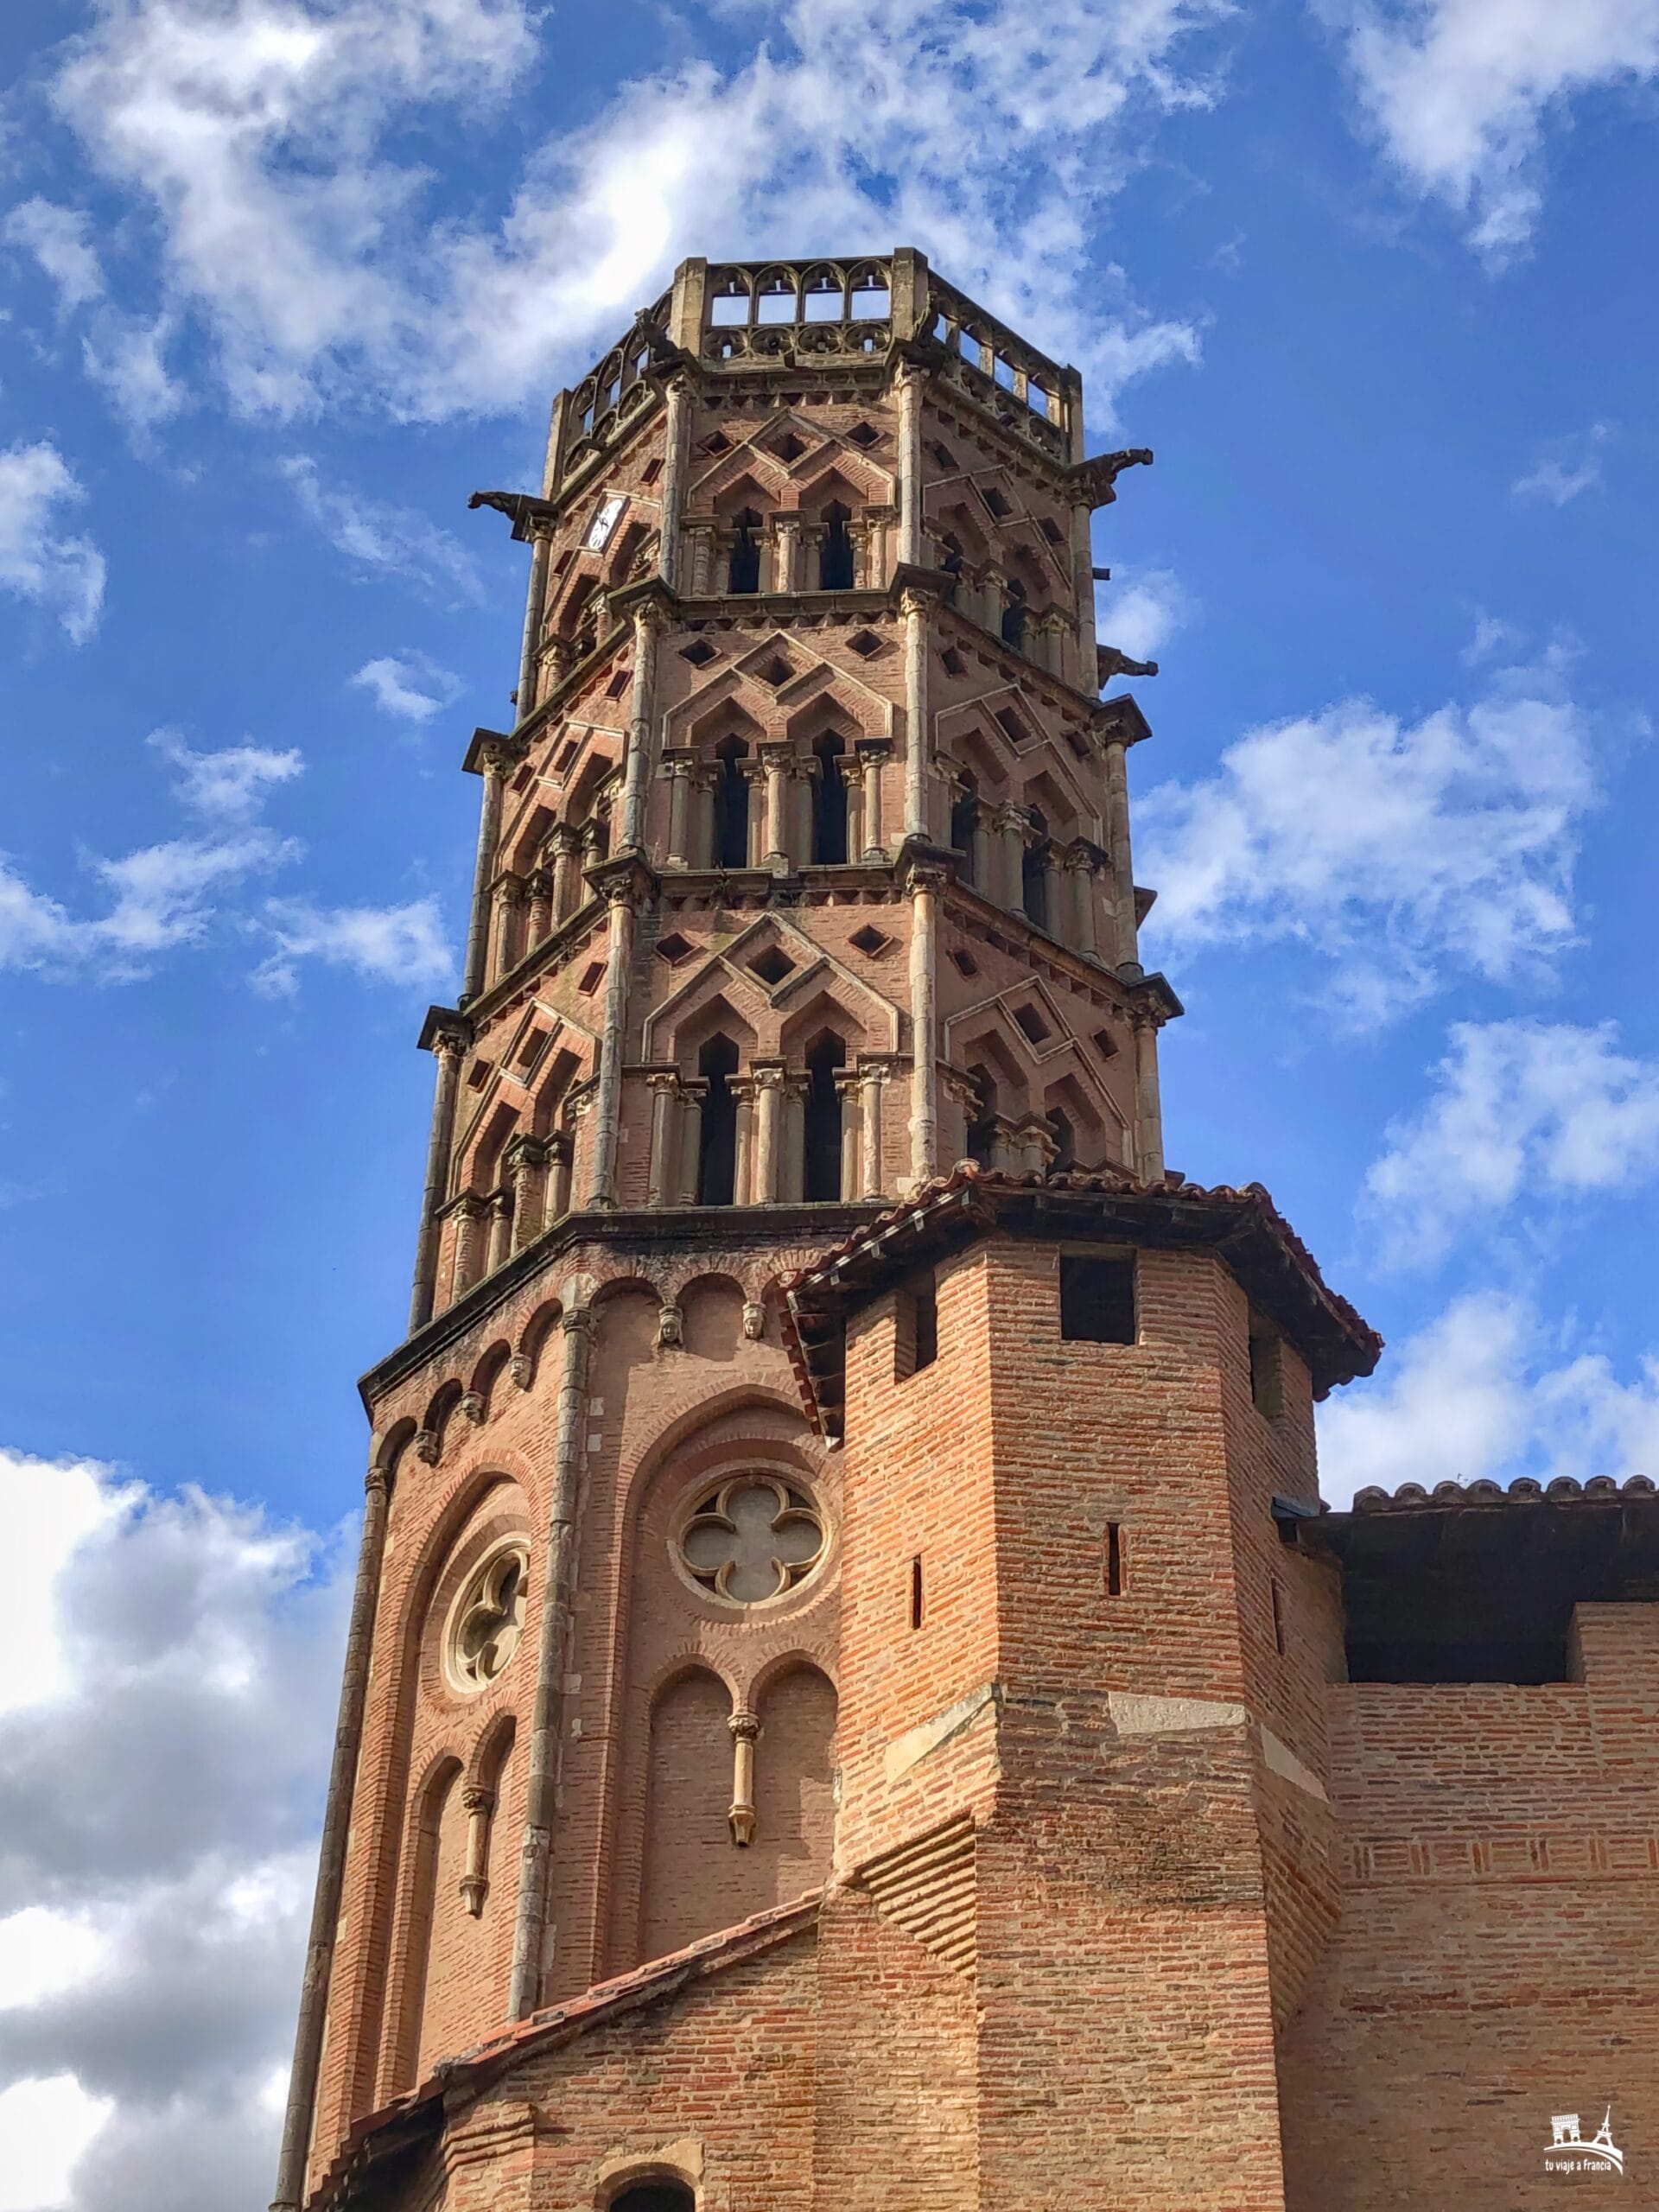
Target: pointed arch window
x,y
964,820
1033,871
717,1131
731,804
1015,613
836,550
982,1117
824,1061
743,574
830,803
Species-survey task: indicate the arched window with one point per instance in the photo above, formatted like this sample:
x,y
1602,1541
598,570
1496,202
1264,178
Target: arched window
x,y
824,1061
1059,1127
731,804
830,803
654,2196
717,1136
1014,616
836,550
744,573
964,820
981,1117
1033,871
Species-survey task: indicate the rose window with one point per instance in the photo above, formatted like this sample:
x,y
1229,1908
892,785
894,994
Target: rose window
x,y
752,1538
489,1619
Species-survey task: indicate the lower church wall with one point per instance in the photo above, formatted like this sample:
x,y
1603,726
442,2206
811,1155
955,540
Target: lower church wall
x,y
1495,1963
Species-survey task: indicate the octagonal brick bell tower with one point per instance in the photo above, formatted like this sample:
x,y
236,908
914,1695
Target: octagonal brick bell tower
x,y
824,1722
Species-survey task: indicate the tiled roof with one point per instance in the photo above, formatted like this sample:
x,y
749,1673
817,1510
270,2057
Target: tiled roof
x,y
1561,1489
415,2117
1275,1267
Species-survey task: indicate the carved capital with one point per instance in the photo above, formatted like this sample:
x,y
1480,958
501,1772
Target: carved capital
x,y
474,1888
473,1406
754,1319
428,1443
745,1726
520,1368
576,1318
478,1797
670,1326
376,1482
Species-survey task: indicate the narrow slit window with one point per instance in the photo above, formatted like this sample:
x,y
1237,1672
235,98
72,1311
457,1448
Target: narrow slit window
x,y
1097,1300
916,1327
916,1593
1278,1617
1113,1550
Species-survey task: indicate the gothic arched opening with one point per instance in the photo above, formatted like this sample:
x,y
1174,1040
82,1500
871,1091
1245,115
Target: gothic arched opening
x,y
1014,616
717,1136
743,573
824,1061
731,804
1033,871
830,803
836,550
964,820
654,2196
981,1117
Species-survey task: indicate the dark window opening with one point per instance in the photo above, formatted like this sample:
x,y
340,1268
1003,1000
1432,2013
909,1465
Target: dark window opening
x,y
717,1137
835,551
1277,1596
824,1109
1033,871
1114,1560
731,805
916,1331
829,805
916,1593
1267,1373
1066,1141
1014,618
656,2196
964,820
982,1119
1097,1300
744,572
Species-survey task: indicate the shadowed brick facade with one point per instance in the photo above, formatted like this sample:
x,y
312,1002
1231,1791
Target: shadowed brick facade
x,y
853,1700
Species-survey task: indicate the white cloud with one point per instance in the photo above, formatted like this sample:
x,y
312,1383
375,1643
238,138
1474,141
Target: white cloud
x,y
382,944
1459,92
1141,610
1545,1108
57,237
191,1655
126,355
386,540
408,685
1561,472
231,784
1490,636
1484,1391
1398,852
261,131
159,897
39,560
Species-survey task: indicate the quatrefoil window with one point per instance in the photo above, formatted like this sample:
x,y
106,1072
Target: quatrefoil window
x,y
752,1538
489,1618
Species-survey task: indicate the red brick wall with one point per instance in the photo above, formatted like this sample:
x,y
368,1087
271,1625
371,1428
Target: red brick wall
x,y
1495,1963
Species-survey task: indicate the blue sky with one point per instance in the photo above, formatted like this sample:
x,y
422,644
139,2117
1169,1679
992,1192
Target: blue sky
x,y
281,281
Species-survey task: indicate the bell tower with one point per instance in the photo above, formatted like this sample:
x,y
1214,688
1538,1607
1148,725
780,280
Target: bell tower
x,y
749,1501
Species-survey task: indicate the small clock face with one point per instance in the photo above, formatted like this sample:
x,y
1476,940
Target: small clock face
x,y
606,516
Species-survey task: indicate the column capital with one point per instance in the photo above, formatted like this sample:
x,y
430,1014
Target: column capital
x,y
745,1726
565,838
926,875
664,1081
478,1797
873,749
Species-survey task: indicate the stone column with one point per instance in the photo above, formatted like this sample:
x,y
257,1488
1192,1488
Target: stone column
x,y
1124,951
702,819
985,854
786,558
743,1177
680,770
1011,827
526,1162
776,762
849,1090
746,1730
924,887
792,1181
468,1212
913,606
769,1133
540,908
500,1246
647,626
560,1148
700,537
870,1083
1080,878
692,1095
874,753
331,1862
493,760
608,1094
558,1577
535,606
755,776
509,902
567,883
910,463
665,1156
992,599
478,1804
1148,1112
676,426
447,1050
802,776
